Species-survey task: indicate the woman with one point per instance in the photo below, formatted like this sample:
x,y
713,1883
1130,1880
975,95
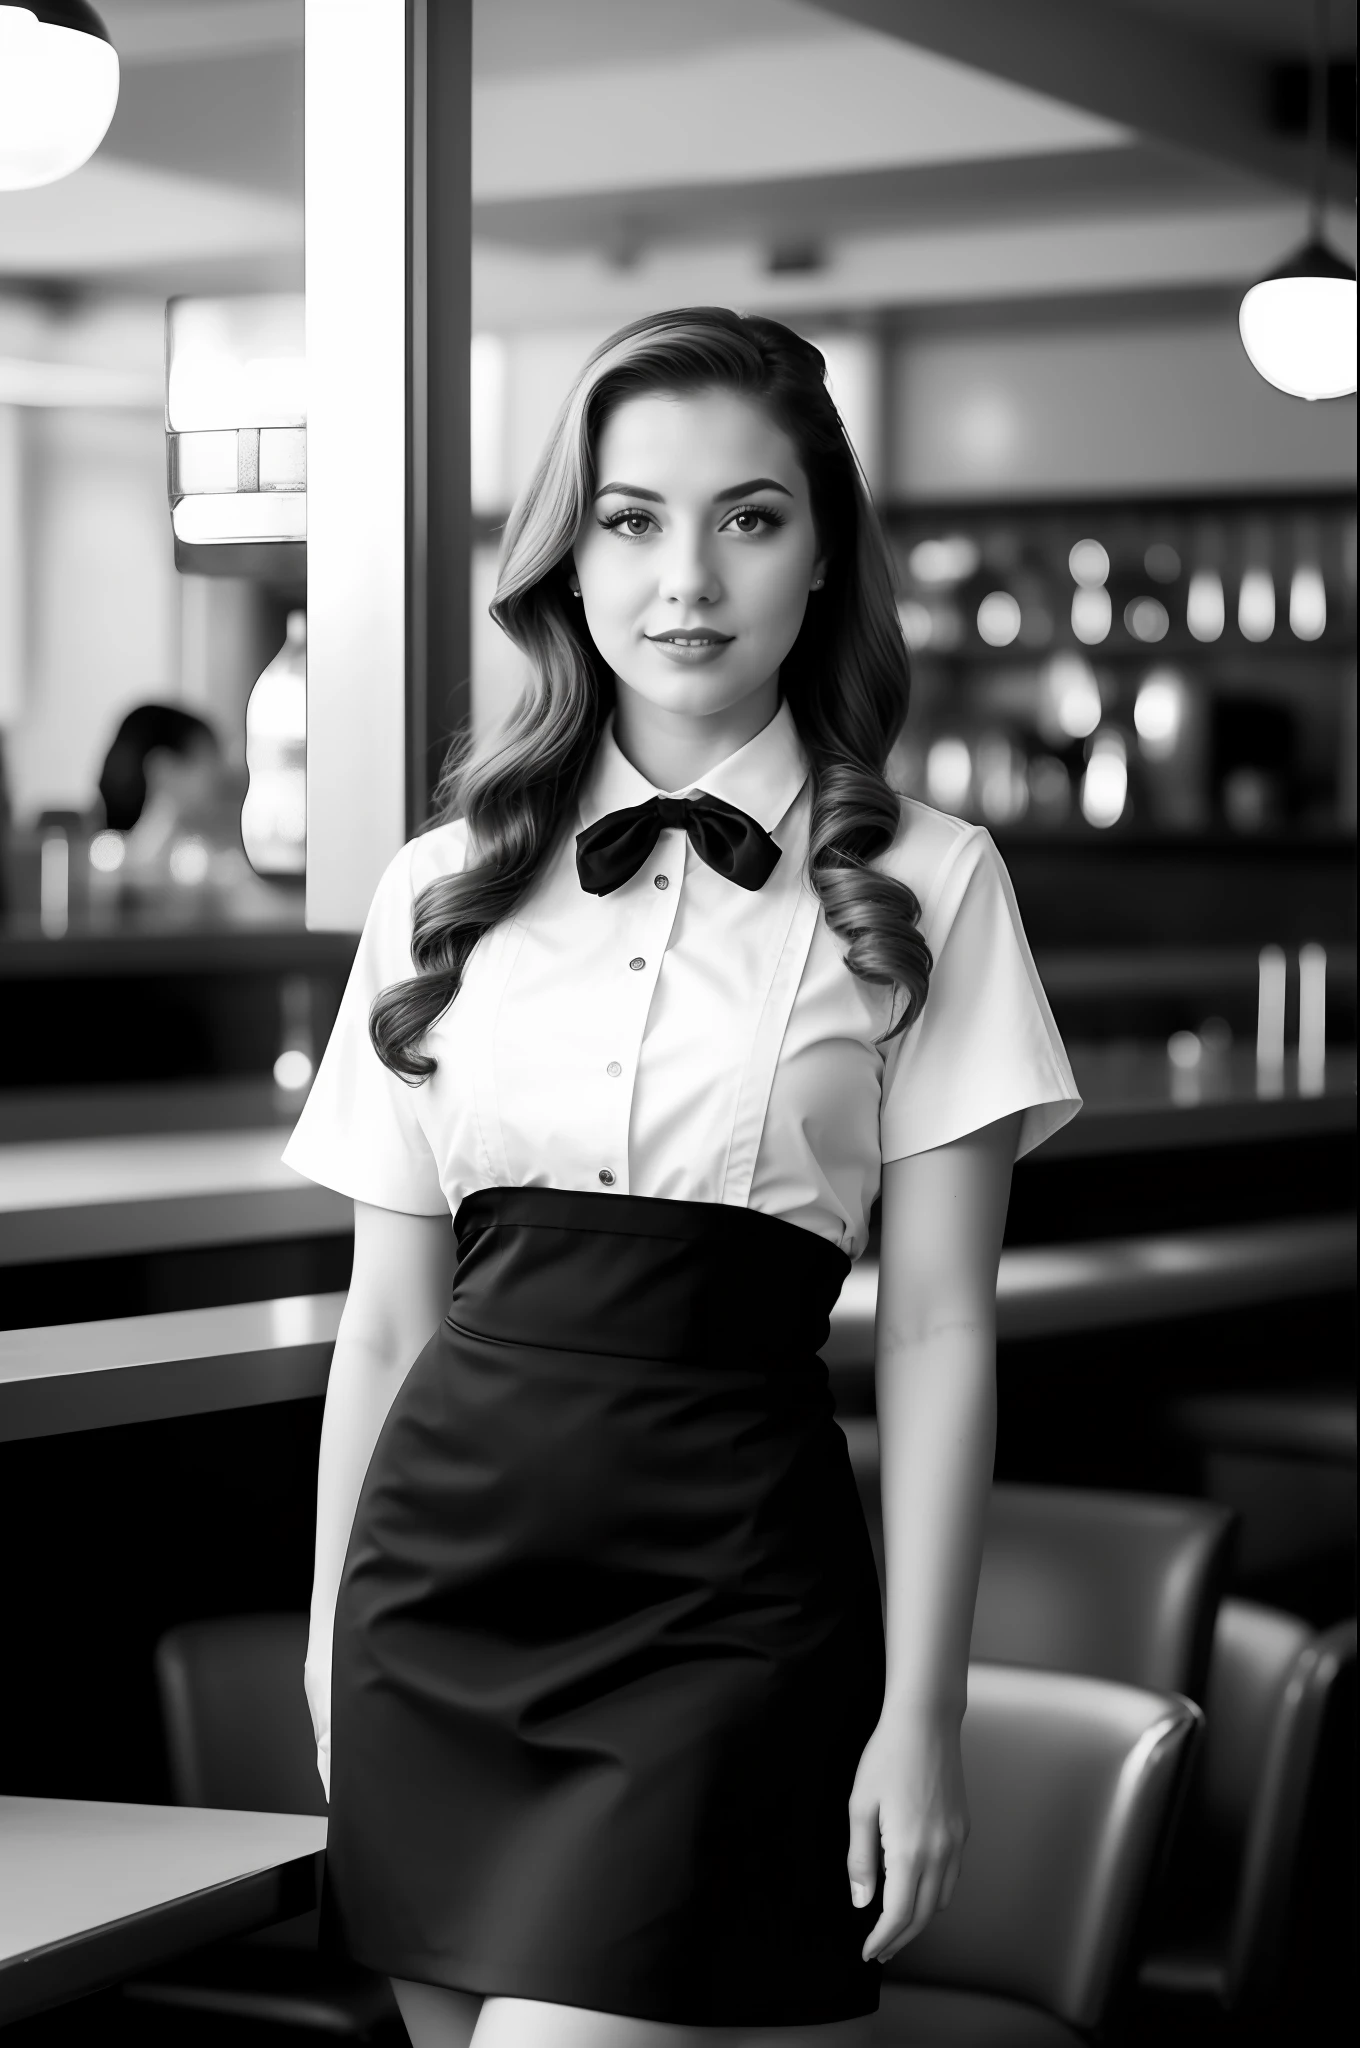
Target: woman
x,y
615,1743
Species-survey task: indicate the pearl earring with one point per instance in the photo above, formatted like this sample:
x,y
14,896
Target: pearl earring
x,y
817,582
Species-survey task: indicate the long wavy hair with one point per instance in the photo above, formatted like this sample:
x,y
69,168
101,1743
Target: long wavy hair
x,y
846,678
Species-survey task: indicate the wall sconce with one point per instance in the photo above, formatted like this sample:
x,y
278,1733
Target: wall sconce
x,y
236,429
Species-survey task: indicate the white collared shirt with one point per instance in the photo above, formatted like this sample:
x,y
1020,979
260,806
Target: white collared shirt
x,y
687,1038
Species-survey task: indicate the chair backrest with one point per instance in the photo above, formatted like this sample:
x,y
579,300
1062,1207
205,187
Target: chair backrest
x,y
1073,1787
237,1726
1115,1585
1236,1862
1122,1586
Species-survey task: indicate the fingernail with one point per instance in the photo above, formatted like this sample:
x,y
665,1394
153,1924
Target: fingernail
x,y
861,1893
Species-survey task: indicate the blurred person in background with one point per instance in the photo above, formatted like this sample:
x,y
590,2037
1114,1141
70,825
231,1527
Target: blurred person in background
x,y
170,792
164,766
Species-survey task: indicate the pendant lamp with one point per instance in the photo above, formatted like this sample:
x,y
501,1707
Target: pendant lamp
x,y
1298,324
58,89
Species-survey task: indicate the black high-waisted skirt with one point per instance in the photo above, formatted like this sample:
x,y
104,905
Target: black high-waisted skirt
x,y
608,1643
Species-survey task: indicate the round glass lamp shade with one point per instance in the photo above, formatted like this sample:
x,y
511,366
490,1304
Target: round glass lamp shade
x,y
58,89
1298,326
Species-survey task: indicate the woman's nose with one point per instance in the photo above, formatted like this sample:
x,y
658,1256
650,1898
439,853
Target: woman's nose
x,y
688,575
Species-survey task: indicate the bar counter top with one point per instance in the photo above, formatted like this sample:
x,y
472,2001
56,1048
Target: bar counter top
x,y
75,1376
90,1173
96,1197
161,948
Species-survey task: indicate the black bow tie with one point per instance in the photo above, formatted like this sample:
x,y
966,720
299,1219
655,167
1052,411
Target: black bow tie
x,y
612,850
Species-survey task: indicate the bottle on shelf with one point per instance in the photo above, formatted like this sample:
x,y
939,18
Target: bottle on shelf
x,y
274,814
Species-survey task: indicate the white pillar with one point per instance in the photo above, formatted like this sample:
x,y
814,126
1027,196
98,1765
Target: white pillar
x,y
356,155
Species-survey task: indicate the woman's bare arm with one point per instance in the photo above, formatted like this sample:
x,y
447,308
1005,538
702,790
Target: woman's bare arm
x,y
398,1292
943,1216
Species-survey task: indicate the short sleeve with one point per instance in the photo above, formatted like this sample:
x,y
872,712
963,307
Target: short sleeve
x,y
985,1045
360,1129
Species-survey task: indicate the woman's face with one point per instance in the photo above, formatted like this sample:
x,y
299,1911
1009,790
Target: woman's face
x,y
697,556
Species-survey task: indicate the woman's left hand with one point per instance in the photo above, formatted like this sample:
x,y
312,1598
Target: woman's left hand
x,y
908,1794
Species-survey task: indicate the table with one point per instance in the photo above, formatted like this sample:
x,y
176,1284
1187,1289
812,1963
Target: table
x,y
92,1892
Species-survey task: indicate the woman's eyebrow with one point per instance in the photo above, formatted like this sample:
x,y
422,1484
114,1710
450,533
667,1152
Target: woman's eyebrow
x,y
755,483
630,491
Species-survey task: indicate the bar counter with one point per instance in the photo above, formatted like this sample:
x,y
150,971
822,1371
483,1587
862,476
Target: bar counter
x,y
168,1168
65,1377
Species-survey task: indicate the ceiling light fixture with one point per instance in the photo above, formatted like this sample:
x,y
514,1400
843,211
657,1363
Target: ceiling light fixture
x,y
1298,324
58,89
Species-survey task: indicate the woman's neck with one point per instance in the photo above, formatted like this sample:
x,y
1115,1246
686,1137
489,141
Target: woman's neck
x,y
674,748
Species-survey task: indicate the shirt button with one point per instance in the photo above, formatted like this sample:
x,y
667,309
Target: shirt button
x,y
614,1068
661,881
637,963
606,1176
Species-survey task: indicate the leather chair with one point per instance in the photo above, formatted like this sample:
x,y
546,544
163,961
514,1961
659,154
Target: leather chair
x,y
239,1734
1074,1785
1121,1586
1220,1937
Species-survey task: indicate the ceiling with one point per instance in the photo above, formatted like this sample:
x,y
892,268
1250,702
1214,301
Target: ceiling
x,y
609,133
1273,27
565,32
510,36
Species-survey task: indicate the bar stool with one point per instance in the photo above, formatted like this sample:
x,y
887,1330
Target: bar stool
x,y
239,1734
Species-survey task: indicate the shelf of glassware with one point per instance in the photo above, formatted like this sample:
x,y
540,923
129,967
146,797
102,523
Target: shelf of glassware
x,y
1190,579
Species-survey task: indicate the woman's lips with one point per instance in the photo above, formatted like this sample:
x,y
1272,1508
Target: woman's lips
x,y
702,636
690,650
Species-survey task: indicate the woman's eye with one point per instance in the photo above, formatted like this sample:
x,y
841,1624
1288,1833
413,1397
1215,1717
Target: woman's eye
x,y
631,523
753,518
634,524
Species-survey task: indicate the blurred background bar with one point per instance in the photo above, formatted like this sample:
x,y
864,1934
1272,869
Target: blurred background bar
x,y
1126,573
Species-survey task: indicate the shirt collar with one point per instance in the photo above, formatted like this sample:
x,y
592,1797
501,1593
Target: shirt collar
x,y
762,778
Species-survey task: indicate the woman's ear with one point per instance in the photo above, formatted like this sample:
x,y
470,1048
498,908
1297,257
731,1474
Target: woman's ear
x,y
819,572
